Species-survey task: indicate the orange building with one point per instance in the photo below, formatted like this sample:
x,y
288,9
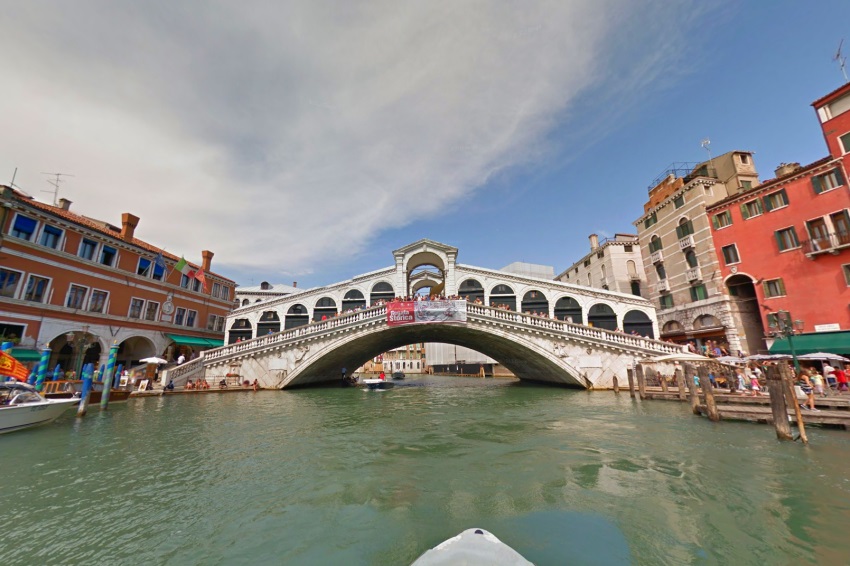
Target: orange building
x,y
77,285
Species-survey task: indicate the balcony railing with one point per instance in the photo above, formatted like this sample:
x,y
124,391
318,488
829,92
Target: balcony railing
x,y
693,274
832,243
686,242
663,286
656,257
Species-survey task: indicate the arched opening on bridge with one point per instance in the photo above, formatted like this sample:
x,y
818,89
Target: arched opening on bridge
x,y
296,316
245,302
427,276
325,308
567,308
381,291
638,322
241,329
269,323
503,296
535,302
471,290
602,316
742,291
353,300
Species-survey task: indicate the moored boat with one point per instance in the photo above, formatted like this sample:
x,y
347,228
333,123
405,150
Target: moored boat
x,y
378,384
22,407
472,546
398,374
73,388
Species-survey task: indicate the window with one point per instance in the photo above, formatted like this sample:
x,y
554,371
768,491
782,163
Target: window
x,y
179,316
216,290
151,310
9,283
136,306
773,288
196,285
600,254
143,266
666,301
587,263
76,297
184,281
787,239
845,142
50,237
846,268
107,255
730,254
679,201
828,181
215,323
722,220
691,258
36,289
225,292
772,320
661,272
87,249
655,244
841,223
819,234
746,185
699,293
98,301
628,248
685,228
158,271
24,227
752,208
190,318
650,220
744,158
779,199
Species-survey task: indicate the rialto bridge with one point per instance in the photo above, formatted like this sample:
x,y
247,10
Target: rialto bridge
x,y
307,337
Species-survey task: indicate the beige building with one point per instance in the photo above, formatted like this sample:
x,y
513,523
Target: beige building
x,y
614,264
678,254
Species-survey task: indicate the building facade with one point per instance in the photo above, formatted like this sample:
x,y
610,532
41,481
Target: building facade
x,y
78,285
614,263
785,245
678,252
265,291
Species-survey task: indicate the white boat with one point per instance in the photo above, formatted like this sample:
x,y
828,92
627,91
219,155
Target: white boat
x,y
378,383
472,546
21,406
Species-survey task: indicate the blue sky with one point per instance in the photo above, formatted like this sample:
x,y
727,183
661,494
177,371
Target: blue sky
x,y
305,141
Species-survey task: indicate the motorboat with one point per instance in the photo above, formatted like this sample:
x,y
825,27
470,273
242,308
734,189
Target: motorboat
x,y
21,406
70,388
472,546
378,383
398,374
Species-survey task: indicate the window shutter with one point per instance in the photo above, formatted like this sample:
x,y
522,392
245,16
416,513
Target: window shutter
x,y
839,177
765,289
745,212
781,285
715,222
767,204
817,184
778,236
785,200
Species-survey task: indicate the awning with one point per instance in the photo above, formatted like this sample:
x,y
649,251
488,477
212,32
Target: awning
x,y
833,342
25,355
195,341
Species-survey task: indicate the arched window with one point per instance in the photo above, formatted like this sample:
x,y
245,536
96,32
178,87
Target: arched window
x,y
471,290
655,244
662,273
639,323
269,323
503,296
685,228
602,316
535,302
325,307
382,291
241,329
631,269
296,316
567,308
353,300
691,258
245,302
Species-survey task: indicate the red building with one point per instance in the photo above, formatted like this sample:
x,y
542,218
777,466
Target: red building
x,y
785,244
77,285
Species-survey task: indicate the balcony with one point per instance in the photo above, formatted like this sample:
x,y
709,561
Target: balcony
x,y
693,274
832,243
634,277
656,257
663,286
686,242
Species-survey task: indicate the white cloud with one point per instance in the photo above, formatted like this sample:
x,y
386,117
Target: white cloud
x,y
272,135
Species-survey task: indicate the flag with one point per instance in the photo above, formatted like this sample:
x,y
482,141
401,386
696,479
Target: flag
x,y
184,268
199,275
11,367
159,261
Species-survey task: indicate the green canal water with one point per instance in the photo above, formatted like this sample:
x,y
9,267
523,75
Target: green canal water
x,y
346,476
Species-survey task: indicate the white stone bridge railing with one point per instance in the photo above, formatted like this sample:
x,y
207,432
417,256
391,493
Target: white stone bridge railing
x,y
474,311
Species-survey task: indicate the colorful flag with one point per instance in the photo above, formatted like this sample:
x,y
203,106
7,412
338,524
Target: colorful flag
x,y
159,261
11,367
184,268
199,275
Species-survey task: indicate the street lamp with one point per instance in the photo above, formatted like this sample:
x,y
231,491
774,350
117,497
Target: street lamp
x,y
785,326
79,343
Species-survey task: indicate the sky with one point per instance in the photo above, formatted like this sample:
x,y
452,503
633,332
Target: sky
x,y
304,141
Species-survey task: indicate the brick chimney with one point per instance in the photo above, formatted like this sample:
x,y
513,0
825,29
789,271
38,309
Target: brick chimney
x,y
594,241
207,255
64,204
786,168
295,283
128,226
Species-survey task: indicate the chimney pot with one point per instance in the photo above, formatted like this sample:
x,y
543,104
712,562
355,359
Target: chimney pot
x,y
128,226
295,283
207,260
594,241
64,204
786,168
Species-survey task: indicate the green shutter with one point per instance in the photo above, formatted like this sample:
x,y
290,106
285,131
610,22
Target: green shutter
x,y
715,222
794,237
767,204
765,289
781,286
785,200
778,235
745,212
839,177
817,184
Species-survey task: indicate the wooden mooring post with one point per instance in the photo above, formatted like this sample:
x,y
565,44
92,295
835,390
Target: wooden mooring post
x,y
630,372
791,397
641,381
708,393
680,384
616,385
661,379
778,405
692,388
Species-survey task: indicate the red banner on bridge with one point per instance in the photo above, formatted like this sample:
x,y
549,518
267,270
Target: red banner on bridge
x,y
423,312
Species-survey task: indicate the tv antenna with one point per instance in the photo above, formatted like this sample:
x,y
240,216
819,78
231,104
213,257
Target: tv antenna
x,y
842,61
14,186
55,182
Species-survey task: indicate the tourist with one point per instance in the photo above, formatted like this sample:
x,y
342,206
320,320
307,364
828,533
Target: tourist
x,y
841,378
740,382
806,386
180,359
170,386
256,385
817,381
754,383
828,375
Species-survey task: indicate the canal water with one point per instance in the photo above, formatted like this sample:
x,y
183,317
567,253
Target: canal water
x,y
346,476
